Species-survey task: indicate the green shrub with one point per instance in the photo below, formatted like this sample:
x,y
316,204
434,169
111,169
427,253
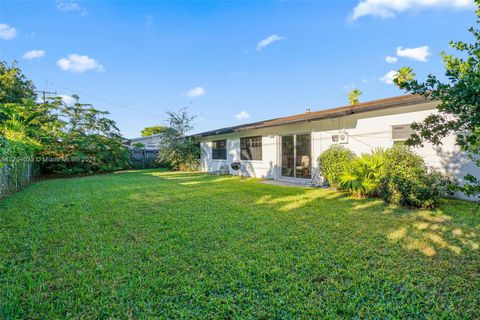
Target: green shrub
x,y
334,162
178,151
406,181
179,154
364,175
397,174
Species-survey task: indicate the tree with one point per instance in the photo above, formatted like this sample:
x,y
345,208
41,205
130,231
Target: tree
x,y
21,118
180,122
459,103
14,85
138,145
148,131
353,96
80,138
86,139
179,151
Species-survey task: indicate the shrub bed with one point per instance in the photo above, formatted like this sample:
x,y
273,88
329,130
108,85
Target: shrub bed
x,y
397,174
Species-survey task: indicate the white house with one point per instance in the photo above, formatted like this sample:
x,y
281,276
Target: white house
x,y
287,148
152,142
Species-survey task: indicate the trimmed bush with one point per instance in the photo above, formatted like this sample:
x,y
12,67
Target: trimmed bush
x,y
397,174
334,162
407,182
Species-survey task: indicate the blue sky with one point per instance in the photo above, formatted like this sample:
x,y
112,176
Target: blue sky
x,y
138,59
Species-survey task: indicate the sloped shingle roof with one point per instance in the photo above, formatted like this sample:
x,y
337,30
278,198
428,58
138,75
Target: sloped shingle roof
x,y
381,104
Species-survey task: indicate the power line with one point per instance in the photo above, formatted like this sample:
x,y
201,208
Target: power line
x,y
104,100
8,13
43,92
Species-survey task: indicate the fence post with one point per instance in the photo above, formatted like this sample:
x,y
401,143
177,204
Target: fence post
x,y
15,168
1,180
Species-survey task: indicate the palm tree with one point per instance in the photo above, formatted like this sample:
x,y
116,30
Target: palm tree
x,y
353,96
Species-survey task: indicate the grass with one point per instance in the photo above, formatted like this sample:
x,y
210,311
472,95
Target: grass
x,y
180,245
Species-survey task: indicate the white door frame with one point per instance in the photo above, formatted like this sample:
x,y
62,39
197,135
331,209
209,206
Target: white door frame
x,y
294,156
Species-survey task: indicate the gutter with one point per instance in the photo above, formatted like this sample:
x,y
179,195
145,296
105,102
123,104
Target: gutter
x,y
343,111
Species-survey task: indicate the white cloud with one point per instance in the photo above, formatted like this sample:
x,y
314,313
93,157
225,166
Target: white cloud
x,y
79,64
195,92
390,59
69,100
242,115
419,54
7,32
268,41
388,77
390,8
33,54
70,6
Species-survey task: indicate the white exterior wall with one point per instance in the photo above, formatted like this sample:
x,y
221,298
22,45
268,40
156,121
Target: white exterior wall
x,y
366,131
264,168
155,139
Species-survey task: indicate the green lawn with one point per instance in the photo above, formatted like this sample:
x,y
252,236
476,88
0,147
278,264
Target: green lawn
x,y
180,245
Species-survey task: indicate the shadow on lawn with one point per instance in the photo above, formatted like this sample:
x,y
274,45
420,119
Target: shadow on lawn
x,y
423,231
298,198
428,231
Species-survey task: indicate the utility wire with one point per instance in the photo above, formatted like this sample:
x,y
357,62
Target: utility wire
x,y
8,14
368,145
44,93
105,100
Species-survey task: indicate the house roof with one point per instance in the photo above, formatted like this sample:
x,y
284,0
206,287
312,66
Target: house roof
x,y
381,104
146,137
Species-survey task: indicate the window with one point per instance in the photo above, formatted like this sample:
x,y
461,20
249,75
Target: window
x,y
219,149
401,132
198,148
251,148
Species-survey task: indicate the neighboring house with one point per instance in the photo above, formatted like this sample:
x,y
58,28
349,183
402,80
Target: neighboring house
x,y
287,148
152,142
144,150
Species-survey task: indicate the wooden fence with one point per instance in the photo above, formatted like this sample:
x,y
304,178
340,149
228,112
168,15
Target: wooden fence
x,y
144,158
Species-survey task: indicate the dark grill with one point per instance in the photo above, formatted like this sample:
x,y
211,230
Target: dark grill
x,y
236,166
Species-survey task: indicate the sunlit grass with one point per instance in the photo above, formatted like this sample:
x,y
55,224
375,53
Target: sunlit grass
x,y
162,244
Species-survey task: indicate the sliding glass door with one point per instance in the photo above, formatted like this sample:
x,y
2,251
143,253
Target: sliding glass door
x,y
288,156
296,156
303,163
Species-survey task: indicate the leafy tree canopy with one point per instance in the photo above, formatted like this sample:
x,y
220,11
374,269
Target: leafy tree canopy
x,y
84,137
148,131
353,96
14,85
459,103
179,151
